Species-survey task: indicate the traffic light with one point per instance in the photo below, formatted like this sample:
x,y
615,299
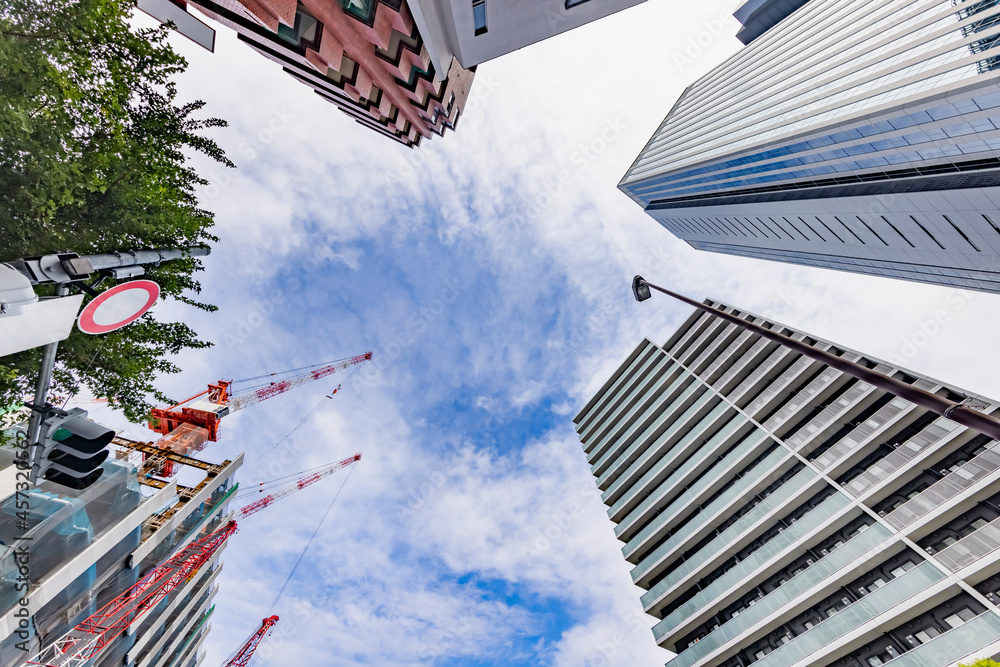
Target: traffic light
x,y
70,449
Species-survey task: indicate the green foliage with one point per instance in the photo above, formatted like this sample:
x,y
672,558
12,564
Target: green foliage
x,y
94,156
984,662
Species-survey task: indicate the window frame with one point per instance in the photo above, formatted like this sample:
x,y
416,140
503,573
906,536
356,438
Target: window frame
x,y
484,28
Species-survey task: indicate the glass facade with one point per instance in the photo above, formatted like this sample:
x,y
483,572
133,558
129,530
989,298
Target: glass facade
x,y
864,57
780,511
845,110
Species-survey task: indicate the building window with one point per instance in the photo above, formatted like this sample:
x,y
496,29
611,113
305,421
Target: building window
x,y
306,32
479,15
963,616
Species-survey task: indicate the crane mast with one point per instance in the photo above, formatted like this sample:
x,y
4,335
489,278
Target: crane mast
x,y
88,639
245,653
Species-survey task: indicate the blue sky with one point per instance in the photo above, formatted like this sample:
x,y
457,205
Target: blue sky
x,y
496,301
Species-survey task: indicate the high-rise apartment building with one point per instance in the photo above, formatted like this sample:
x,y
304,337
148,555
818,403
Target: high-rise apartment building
x,y
403,68
780,513
84,548
857,135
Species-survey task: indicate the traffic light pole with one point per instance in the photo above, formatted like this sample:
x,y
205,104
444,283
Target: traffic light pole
x,y
42,386
67,268
958,412
64,268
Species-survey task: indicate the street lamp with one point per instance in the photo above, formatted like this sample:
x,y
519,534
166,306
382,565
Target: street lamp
x,y
640,289
959,412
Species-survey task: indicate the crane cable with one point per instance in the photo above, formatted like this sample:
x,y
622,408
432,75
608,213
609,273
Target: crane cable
x,y
278,481
309,543
292,370
308,416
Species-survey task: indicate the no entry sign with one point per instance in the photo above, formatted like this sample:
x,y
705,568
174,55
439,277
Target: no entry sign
x,y
118,306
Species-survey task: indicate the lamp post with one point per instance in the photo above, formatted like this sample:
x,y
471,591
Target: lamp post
x,y
958,412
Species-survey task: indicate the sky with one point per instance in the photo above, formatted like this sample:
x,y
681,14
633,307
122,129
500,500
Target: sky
x,y
489,273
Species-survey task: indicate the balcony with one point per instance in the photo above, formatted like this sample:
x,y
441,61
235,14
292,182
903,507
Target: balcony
x,y
678,479
737,578
666,465
752,443
924,441
761,511
954,645
943,492
872,606
654,448
811,580
652,400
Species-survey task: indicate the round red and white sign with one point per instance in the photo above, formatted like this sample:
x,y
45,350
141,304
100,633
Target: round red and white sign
x,y
118,306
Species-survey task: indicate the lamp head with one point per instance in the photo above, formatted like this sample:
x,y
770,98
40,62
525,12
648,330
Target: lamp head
x,y
640,289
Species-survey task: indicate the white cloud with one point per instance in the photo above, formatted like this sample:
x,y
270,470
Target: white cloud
x,y
489,270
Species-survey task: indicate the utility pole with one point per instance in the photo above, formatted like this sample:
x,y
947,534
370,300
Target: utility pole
x,y
958,412
67,270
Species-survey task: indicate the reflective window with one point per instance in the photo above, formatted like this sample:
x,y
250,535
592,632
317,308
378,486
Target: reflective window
x,y
479,15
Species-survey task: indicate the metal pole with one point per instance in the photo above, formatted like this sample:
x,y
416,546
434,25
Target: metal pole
x,y
68,268
42,387
957,412
134,257
34,270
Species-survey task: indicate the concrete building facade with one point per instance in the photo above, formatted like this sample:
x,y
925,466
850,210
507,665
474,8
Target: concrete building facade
x,y
851,135
403,68
87,547
780,513
474,31
365,56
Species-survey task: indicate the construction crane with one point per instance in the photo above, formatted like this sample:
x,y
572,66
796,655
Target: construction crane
x,y
88,639
219,401
245,653
312,477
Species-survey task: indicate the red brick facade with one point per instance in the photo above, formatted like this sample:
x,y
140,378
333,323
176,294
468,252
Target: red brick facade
x,y
368,59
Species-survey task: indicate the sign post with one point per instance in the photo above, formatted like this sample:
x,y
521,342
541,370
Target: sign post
x,y
110,310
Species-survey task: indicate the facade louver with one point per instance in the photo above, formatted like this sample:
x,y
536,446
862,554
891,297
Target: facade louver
x,y
780,513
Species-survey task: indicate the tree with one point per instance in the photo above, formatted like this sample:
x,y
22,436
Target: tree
x,y
983,662
94,157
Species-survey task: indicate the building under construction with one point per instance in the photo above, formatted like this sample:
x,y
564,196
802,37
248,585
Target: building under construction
x,y
84,548
124,571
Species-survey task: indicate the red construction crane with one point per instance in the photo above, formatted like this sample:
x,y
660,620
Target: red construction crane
x,y
219,402
244,655
311,478
87,640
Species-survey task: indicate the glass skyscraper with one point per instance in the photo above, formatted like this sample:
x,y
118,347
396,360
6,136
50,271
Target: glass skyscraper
x,y
780,513
858,135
